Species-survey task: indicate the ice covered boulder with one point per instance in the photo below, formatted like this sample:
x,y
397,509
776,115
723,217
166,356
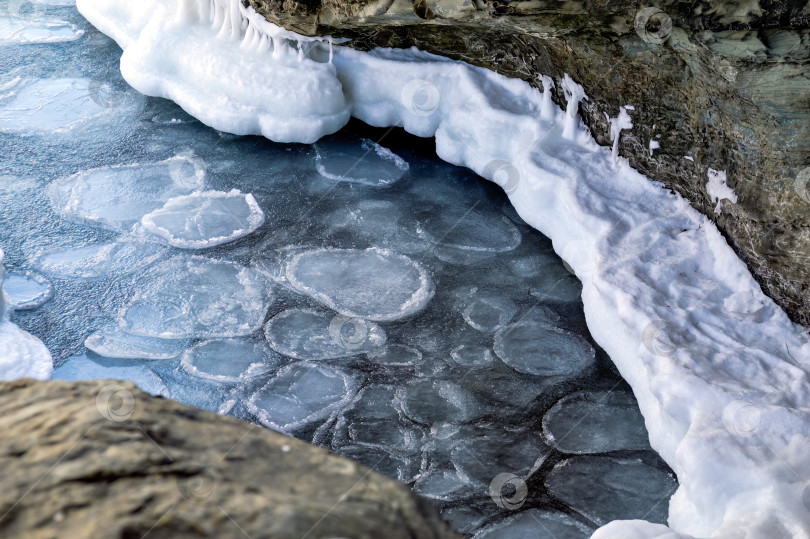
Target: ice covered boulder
x,y
205,219
375,284
187,297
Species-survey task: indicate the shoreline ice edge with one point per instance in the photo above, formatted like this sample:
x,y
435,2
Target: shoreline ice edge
x,y
720,372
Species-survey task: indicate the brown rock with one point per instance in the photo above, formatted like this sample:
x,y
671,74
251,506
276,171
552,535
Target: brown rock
x,y
103,459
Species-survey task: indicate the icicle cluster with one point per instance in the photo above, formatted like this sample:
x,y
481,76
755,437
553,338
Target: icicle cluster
x,y
238,23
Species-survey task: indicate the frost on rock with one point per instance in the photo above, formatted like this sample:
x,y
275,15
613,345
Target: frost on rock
x,y
121,257
301,394
205,219
375,284
14,30
315,335
718,190
118,197
27,290
539,524
230,360
65,107
595,422
367,162
111,342
84,368
533,348
604,488
188,297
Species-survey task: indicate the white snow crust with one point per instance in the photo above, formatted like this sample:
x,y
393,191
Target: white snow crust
x,y
21,354
724,393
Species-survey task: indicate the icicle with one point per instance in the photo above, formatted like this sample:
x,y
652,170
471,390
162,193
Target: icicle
x,y
247,42
187,11
617,125
331,52
277,45
574,94
225,29
547,108
300,53
219,15
236,20
264,44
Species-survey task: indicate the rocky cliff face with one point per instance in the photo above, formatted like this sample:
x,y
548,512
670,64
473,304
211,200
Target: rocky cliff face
x,y
103,459
721,85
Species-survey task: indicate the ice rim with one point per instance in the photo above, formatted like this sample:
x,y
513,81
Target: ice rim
x,y
719,371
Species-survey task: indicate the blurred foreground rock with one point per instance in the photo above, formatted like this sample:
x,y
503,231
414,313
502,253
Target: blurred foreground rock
x,y
103,459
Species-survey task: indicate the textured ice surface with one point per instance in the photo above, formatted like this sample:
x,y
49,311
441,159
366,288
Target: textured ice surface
x,y
438,401
537,524
395,354
300,394
360,162
380,223
27,290
533,348
205,219
85,368
604,488
316,335
229,360
375,284
468,229
118,197
188,297
111,342
101,260
595,422
489,313
64,106
483,455
19,30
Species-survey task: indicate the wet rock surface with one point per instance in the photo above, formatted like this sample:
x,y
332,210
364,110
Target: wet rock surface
x,y
103,459
715,85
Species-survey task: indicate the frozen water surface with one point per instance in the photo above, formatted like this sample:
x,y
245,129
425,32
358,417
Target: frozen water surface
x,y
111,342
188,297
205,219
376,284
403,316
363,161
229,360
315,335
18,30
118,197
27,290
